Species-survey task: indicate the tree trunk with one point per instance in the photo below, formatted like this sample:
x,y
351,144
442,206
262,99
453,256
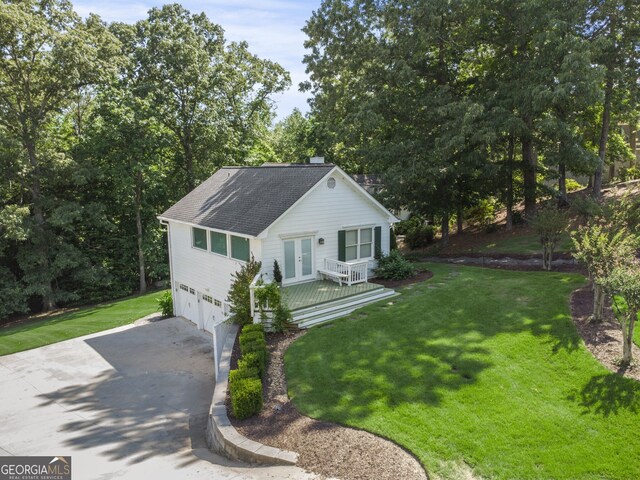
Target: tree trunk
x,y
444,240
604,136
529,161
139,231
459,219
598,303
509,199
563,199
39,240
627,354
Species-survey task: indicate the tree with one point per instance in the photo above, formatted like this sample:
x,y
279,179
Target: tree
x,y
623,283
47,55
212,97
601,246
292,139
239,293
614,27
549,224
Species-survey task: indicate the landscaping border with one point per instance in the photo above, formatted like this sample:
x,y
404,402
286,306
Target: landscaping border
x,y
222,437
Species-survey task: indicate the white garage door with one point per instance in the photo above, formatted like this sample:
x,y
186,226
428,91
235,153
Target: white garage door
x,y
187,303
207,312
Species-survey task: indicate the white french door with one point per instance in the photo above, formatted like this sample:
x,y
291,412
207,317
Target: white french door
x,y
298,260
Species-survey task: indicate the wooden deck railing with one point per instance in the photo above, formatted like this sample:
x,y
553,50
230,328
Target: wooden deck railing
x,y
352,272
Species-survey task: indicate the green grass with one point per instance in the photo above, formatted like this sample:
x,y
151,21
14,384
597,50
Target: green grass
x,y
523,244
36,333
483,371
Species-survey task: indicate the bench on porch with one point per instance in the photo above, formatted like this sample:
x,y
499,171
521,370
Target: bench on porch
x,y
335,276
345,272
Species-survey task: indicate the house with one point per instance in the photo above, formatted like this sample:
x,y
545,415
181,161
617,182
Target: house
x,y
314,219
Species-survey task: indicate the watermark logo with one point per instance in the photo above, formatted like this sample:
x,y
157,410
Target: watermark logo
x,y
35,468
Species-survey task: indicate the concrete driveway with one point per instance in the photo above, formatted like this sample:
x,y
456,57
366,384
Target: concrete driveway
x,y
125,403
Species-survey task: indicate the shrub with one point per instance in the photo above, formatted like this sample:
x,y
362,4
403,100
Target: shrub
x,y
394,267
246,397
253,327
252,345
420,236
165,304
255,359
250,337
517,218
631,173
491,228
549,224
277,273
573,185
586,207
483,213
281,318
240,373
239,295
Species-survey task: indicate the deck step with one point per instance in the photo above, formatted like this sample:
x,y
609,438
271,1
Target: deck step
x,y
301,312
341,308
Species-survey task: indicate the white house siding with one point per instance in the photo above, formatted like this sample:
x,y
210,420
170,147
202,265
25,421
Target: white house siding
x,y
206,272
324,211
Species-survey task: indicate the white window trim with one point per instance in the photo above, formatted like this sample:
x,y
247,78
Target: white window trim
x,y
359,243
193,239
211,244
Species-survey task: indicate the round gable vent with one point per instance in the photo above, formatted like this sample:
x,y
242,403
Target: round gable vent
x,y
331,183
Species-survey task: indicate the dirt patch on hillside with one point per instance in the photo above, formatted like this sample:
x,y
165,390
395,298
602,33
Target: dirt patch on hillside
x,y
604,339
327,449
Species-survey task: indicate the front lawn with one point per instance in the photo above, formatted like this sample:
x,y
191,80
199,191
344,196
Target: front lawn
x,y
477,372
36,333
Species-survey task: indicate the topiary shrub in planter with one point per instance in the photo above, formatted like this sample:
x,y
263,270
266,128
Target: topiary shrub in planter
x,y
394,267
253,327
246,397
240,373
250,337
256,359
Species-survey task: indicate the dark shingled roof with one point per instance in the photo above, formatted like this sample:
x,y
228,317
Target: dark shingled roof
x,y
247,199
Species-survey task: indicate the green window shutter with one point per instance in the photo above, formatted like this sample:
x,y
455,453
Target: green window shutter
x,y
378,242
342,250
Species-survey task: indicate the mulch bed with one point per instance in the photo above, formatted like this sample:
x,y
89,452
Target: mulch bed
x,y
419,277
604,339
324,448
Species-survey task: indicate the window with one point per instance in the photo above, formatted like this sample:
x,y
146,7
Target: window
x,y
358,244
240,248
217,303
218,243
199,238
184,287
207,298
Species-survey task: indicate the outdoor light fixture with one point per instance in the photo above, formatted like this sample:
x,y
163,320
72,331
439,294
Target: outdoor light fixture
x,y
321,241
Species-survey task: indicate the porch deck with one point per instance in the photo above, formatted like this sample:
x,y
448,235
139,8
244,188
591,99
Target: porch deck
x,y
317,292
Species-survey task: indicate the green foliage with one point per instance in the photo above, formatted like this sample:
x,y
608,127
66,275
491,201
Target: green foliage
x,y
239,293
277,274
255,357
165,304
549,225
629,173
251,336
292,139
246,397
586,206
394,267
281,318
482,214
573,185
253,327
240,373
420,236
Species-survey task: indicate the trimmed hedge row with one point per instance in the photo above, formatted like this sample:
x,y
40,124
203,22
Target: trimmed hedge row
x,y
245,383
